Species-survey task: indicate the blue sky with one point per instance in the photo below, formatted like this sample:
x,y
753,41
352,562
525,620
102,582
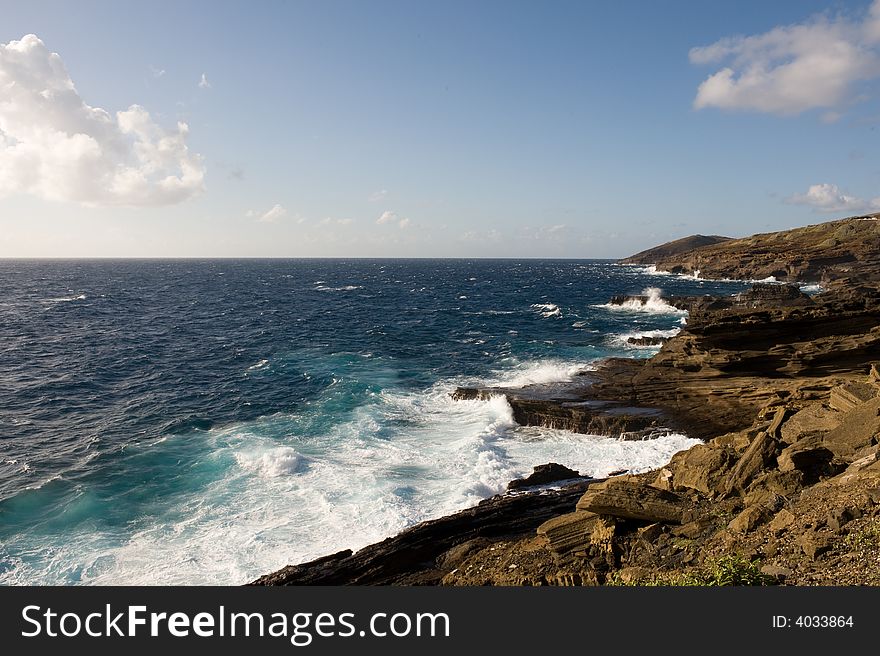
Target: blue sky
x,y
417,129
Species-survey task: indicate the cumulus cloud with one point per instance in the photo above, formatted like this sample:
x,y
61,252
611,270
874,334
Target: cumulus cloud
x,y
271,215
829,198
54,145
376,196
203,83
388,217
792,68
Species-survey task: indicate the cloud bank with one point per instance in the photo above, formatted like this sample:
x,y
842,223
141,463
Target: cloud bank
x,y
829,198
792,68
56,146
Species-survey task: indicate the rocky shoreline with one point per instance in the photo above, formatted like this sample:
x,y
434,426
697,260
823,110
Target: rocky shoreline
x,y
783,389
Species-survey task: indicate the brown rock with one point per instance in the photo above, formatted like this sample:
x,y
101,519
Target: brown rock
x,y
634,575
568,532
807,455
651,532
702,468
840,517
759,456
544,474
748,519
693,529
781,521
664,479
630,500
814,544
761,496
779,573
783,484
814,418
775,426
859,428
849,395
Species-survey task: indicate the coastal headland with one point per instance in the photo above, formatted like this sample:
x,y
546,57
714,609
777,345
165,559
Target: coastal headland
x,y
782,387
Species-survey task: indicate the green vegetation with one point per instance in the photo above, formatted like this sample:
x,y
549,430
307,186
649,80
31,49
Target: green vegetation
x,y
731,569
865,538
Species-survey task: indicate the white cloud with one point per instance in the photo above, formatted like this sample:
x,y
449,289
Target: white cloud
x,y
829,198
376,196
481,236
792,68
329,220
157,72
271,215
387,217
54,145
203,83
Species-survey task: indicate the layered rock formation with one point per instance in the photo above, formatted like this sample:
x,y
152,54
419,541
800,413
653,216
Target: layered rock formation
x,y
782,387
827,252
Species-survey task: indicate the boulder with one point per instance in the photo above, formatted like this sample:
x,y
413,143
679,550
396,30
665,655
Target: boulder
x,y
781,521
810,455
694,528
702,468
631,500
783,484
849,395
815,544
761,496
840,517
814,418
544,474
760,455
859,428
748,519
568,532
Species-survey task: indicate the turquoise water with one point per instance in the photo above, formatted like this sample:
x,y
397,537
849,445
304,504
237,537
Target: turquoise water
x,y
209,421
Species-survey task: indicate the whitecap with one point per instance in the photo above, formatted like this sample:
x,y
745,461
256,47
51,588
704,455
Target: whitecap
x,y
547,309
622,339
652,303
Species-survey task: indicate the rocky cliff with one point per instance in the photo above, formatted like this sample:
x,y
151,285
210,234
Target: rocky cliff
x,y
785,391
826,252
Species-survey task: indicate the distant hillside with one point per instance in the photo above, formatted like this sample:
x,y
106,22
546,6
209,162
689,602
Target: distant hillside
x,y
847,248
673,248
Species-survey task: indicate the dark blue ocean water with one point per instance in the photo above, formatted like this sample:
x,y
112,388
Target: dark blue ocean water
x,y
209,421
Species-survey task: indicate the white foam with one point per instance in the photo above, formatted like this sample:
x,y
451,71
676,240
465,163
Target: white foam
x,y
547,309
622,339
652,304
345,288
537,372
269,462
651,270
68,299
282,499
597,456
812,288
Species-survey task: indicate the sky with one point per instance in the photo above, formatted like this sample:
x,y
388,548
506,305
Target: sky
x,y
429,129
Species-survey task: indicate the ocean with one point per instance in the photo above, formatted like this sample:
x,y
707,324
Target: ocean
x,y
207,422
